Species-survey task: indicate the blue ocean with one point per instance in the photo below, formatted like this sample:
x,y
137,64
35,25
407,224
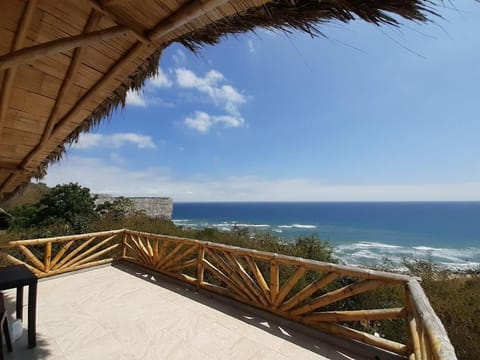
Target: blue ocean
x,y
367,233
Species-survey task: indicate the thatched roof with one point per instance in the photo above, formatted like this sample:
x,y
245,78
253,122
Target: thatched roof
x,y
65,65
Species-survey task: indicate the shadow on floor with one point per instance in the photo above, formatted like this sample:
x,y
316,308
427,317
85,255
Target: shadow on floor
x,y
20,347
297,334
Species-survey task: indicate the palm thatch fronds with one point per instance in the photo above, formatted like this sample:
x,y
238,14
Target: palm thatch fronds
x,y
308,15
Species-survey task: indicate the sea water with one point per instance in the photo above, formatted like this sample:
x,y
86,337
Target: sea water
x,y
361,233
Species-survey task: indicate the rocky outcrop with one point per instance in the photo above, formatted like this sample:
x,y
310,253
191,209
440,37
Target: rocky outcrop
x,y
152,206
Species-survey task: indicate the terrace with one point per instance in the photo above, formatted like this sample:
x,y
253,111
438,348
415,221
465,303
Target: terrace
x,y
167,297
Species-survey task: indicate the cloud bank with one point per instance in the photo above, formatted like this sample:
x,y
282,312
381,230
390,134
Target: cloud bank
x,y
105,177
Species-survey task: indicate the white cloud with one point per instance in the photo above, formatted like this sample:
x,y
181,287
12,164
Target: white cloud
x,y
202,122
161,80
135,98
251,47
179,57
104,177
114,141
223,95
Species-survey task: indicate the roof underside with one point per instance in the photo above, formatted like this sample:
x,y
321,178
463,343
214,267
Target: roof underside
x,y
65,65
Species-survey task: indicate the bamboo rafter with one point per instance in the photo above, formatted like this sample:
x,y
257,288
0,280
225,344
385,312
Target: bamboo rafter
x,y
10,74
252,277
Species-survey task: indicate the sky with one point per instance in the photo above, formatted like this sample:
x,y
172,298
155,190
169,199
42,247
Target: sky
x,y
365,113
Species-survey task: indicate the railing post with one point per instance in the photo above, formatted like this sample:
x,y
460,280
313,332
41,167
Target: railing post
x,y
274,279
412,334
47,256
124,244
200,265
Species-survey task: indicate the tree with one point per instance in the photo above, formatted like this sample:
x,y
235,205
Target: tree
x,y
71,204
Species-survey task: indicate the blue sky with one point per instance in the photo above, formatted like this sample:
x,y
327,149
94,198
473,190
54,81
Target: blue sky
x,y
365,114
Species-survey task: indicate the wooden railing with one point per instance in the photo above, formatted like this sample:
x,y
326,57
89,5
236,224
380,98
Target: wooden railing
x,y
321,295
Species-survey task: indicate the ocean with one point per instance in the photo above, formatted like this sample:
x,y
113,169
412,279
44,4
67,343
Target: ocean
x,y
361,233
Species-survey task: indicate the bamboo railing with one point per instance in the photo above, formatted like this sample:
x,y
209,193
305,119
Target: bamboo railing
x,y
314,293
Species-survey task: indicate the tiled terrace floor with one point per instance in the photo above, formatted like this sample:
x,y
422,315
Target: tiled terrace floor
x,y
123,312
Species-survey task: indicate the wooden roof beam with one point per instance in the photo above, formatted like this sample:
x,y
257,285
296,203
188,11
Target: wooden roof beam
x,y
101,7
29,54
182,16
68,81
10,74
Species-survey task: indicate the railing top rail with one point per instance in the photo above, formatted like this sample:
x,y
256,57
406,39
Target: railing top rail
x,y
435,330
268,256
41,241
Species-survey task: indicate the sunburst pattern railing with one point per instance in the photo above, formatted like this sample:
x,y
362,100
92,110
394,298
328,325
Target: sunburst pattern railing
x,y
321,295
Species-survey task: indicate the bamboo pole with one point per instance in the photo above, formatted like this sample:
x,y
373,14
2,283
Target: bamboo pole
x,y
65,88
289,285
184,265
139,254
149,247
86,252
30,54
138,242
414,335
339,330
181,256
232,275
124,245
73,253
182,16
246,278
62,251
47,256
9,78
337,295
259,276
161,253
32,258
200,267
307,291
274,280
134,28
357,315
170,255
221,276
94,256
75,268
13,260
63,238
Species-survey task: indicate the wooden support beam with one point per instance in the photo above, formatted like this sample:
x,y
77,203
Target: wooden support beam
x,y
358,315
73,253
68,81
337,295
102,7
200,267
259,276
289,285
10,74
308,291
32,258
30,54
274,280
225,279
184,15
343,331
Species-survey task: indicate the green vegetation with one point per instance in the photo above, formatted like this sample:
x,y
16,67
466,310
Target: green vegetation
x,y
68,209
